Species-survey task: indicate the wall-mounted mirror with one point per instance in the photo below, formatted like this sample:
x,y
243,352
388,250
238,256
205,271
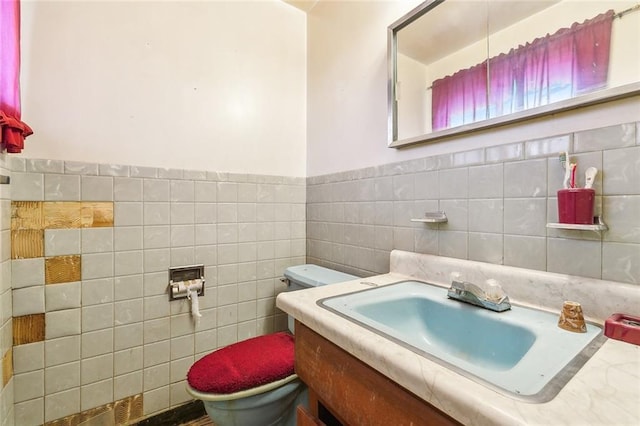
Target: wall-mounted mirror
x,y
456,66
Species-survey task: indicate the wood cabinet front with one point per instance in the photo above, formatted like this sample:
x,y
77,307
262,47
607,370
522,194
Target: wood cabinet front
x,y
353,392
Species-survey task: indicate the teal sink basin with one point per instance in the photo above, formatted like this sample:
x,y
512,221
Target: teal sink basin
x,y
521,352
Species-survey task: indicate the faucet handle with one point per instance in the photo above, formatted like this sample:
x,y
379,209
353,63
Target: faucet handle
x,y
494,291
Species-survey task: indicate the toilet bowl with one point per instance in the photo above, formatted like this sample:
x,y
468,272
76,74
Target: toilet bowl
x,y
267,405
262,389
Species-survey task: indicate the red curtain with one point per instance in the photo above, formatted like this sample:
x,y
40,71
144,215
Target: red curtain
x,y
592,44
552,68
460,98
13,130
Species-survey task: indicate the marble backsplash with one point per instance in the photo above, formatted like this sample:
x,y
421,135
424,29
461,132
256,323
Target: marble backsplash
x,y
599,299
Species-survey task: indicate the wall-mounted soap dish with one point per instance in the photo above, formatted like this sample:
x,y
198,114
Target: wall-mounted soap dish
x,y
598,225
432,217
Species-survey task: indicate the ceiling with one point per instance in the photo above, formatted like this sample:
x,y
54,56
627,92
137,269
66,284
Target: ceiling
x,y
449,24
455,24
304,5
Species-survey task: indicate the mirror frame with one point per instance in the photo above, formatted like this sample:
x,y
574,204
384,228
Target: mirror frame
x,y
593,98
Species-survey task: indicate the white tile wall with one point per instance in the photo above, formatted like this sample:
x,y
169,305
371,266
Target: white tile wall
x,y
60,242
97,368
97,188
27,272
127,336
61,350
127,189
97,265
27,186
28,385
128,238
97,342
115,333
28,301
127,384
96,240
30,413
96,394
97,317
114,170
97,291
128,311
61,404
62,377
62,323
28,357
58,187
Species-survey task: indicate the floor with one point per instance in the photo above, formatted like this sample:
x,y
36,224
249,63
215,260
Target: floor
x,y
202,421
190,414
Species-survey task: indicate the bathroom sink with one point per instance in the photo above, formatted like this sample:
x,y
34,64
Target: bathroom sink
x,y
521,352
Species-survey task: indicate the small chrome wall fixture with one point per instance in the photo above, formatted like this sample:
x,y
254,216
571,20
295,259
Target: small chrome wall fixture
x,y
5,180
184,279
432,217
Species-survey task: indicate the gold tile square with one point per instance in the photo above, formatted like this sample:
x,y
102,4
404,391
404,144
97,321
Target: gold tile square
x,y
27,243
128,409
63,214
28,329
99,416
121,412
26,215
62,269
97,215
7,367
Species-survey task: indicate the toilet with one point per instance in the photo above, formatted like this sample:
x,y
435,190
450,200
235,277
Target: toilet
x,y
252,382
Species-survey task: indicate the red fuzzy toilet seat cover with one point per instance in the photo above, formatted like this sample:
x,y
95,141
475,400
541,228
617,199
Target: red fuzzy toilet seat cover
x,y
244,365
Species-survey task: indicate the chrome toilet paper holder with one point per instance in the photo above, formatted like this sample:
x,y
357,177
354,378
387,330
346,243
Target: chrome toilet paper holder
x,y
183,278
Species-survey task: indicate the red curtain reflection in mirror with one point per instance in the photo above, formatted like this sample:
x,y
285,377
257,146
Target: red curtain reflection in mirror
x,y
13,130
567,63
460,98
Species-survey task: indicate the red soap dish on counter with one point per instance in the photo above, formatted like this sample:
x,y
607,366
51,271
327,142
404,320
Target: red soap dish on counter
x,y
623,327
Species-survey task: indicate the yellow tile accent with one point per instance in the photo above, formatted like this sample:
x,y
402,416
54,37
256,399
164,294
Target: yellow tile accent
x,y
7,367
128,409
77,214
62,269
122,412
27,243
28,329
26,215
64,214
97,215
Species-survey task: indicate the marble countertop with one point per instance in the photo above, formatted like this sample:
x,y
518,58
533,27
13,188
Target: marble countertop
x,y
605,391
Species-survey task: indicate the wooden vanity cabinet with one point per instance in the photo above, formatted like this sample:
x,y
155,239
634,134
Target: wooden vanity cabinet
x,y
354,393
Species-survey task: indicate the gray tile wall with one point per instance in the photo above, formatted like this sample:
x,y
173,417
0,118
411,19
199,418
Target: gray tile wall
x,y
498,201
6,332
116,333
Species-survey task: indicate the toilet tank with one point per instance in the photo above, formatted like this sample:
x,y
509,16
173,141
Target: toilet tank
x,y
300,277
304,276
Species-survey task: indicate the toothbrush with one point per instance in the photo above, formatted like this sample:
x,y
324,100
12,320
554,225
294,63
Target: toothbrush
x,y
564,162
572,168
589,177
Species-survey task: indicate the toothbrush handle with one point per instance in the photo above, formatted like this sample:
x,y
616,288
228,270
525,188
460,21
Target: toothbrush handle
x,y
573,176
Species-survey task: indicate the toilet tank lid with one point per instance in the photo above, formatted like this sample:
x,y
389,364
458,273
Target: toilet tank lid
x,y
310,275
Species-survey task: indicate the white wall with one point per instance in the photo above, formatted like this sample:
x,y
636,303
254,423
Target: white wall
x,y
204,85
414,106
347,94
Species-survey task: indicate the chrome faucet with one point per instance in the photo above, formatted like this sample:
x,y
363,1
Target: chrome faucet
x,y
494,299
